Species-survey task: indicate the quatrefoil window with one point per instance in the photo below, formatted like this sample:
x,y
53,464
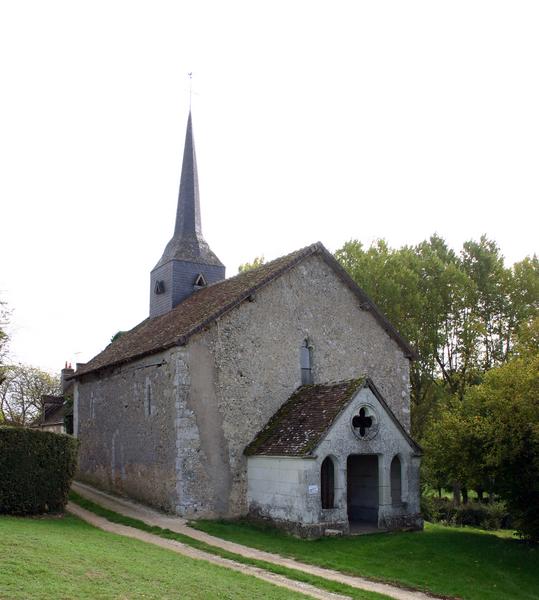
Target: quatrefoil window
x,y
365,423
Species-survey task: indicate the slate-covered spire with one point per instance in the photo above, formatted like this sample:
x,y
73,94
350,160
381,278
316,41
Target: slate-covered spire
x,y
187,243
188,213
187,255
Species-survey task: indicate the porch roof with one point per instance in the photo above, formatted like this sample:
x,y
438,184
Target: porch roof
x,y
297,428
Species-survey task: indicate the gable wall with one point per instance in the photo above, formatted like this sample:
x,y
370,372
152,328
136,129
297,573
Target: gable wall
x,y
254,357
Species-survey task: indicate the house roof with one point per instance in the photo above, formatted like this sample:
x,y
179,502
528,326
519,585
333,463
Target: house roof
x,y
55,416
51,404
303,420
54,410
206,305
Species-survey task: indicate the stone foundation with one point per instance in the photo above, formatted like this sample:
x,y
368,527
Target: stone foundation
x,y
300,530
318,530
402,522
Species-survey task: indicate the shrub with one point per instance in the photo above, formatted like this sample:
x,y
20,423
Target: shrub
x,y
489,516
36,470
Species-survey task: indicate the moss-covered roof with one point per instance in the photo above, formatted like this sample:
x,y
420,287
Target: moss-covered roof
x,y
302,421
203,307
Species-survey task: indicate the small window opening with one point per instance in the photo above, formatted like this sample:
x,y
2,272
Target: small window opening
x,y
149,399
305,358
159,287
327,483
396,482
200,281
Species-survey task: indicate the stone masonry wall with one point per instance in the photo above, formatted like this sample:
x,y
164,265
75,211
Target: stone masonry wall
x,y
126,426
251,356
209,399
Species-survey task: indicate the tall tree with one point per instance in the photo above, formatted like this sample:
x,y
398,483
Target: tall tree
x,y
461,311
524,296
423,292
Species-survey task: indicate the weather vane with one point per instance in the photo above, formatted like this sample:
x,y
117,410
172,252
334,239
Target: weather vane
x,y
190,75
190,89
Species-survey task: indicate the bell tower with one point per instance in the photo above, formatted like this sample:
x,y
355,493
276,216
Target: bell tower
x,y
187,263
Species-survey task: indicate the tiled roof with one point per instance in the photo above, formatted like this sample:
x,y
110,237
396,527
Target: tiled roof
x,y
55,414
301,422
51,404
191,315
55,409
206,305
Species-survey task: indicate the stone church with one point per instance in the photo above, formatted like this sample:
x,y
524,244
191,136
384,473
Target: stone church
x,y
280,393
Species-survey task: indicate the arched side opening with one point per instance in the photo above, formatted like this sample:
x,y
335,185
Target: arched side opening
x,y
396,481
327,483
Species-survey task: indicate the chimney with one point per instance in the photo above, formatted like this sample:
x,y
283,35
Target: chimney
x,y
66,372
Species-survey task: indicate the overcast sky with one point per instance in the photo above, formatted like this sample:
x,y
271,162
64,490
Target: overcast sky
x,y
312,121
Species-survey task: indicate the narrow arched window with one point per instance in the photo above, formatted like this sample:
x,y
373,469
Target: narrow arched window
x,y
327,483
396,482
305,359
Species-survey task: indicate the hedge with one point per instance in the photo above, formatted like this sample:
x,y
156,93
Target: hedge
x,y
492,515
36,470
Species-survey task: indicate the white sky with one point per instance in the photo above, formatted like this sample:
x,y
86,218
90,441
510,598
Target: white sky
x,y
312,120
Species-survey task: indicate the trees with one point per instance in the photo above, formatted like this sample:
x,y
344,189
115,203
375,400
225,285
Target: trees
x,y
475,386
21,391
456,445
21,386
258,261
489,440
508,404
461,312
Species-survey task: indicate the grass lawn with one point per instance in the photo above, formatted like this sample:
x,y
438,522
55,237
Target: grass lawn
x,y
52,558
464,563
331,586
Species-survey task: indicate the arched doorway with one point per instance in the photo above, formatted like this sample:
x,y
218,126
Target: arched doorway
x,y
362,488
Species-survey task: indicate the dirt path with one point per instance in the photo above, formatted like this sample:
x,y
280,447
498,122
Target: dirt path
x,y
179,525
131,532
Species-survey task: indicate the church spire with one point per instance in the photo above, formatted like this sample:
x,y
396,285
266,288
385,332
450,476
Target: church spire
x,y
188,212
187,259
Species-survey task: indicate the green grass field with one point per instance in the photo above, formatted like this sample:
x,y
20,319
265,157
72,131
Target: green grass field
x,y
465,563
52,558
331,586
